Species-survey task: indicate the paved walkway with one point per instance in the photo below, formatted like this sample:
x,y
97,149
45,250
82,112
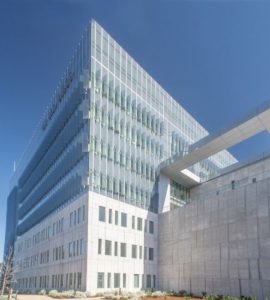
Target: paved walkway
x,y
33,297
39,297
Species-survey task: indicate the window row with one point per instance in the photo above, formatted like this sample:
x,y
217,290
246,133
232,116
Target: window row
x,y
113,280
58,253
43,235
72,281
123,100
32,282
102,216
107,247
44,257
179,192
119,157
117,187
178,144
58,227
76,248
77,216
28,262
116,280
142,224
124,128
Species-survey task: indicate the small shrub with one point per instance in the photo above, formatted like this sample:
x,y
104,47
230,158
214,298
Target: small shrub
x,y
204,294
53,293
42,292
137,295
79,294
108,295
158,294
211,297
60,295
89,294
182,293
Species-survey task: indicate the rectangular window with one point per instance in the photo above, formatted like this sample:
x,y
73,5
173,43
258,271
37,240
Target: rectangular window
x,y
145,225
140,252
151,227
75,217
77,248
108,247
74,283
70,249
139,224
123,220
81,246
116,217
70,219
110,216
99,246
74,248
145,253
148,281
79,215
123,250
151,254
134,251
124,280
109,275
101,214
83,213
70,280
154,281
100,280
115,248
79,282
133,222
117,280
136,280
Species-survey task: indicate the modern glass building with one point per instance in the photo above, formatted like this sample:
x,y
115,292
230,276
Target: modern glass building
x,y
84,202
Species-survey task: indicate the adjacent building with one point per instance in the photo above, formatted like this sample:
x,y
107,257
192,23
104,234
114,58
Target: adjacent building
x,y
89,193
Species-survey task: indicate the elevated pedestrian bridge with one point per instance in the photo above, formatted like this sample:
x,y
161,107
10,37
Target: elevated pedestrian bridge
x,y
177,166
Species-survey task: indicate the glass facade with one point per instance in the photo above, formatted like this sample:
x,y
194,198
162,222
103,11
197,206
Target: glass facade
x,y
135,125
179,195
107,129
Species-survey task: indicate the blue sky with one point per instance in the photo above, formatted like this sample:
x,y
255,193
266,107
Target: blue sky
x,y
212,56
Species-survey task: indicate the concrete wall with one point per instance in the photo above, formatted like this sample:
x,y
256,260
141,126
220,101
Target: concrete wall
x,y
221,243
